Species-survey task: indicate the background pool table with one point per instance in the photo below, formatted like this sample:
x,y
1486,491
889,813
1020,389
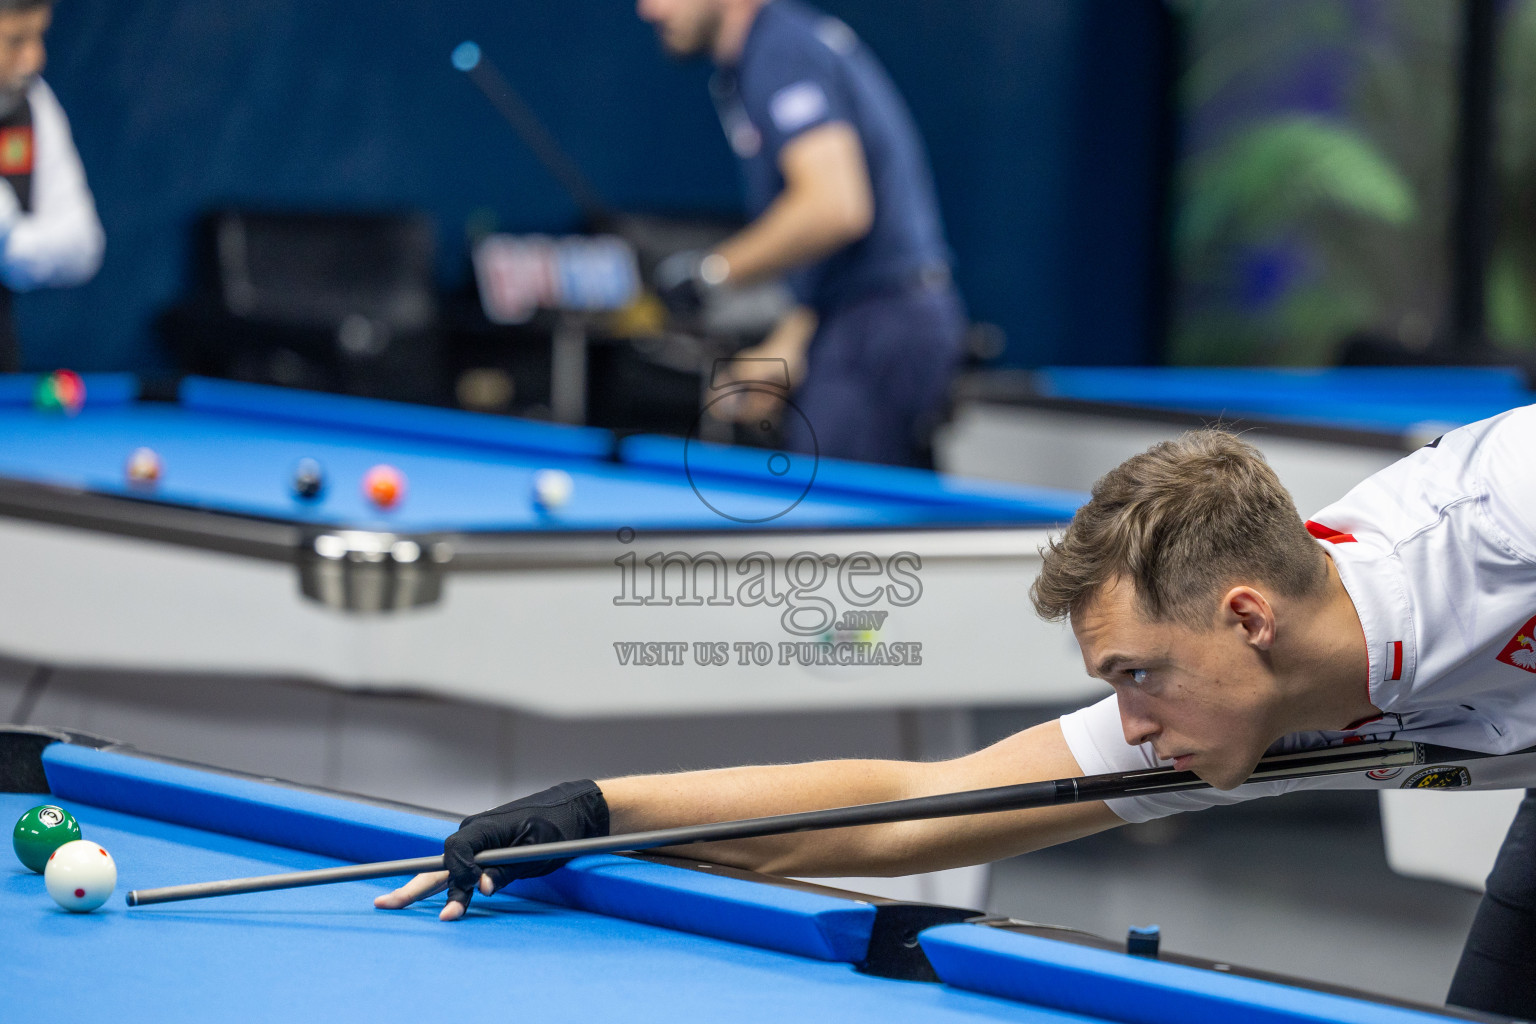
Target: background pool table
x,y
231,448
1401,406
221,568
603,938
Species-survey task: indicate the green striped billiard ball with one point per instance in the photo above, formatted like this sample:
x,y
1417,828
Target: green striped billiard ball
x,y
40,831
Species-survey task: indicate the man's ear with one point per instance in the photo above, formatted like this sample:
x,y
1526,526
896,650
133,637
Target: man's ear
x,y
1244,608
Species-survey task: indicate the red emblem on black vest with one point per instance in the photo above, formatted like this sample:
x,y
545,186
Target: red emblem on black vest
x,y
16,150
1521,651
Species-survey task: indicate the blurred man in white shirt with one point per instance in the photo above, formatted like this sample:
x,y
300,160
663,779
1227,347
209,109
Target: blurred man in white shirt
x,y
50,236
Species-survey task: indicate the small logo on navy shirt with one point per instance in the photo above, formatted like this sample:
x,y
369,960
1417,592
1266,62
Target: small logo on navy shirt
x,y
795,106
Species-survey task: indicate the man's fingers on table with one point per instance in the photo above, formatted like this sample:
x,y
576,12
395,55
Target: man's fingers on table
x,y
418,888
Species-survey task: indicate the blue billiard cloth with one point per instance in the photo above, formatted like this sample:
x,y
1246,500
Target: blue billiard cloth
x,y
890,324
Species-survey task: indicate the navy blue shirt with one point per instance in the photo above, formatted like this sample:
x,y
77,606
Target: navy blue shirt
x,y
801,69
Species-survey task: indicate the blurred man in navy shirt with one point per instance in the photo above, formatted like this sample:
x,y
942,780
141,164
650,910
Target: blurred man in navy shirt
x,y
843,208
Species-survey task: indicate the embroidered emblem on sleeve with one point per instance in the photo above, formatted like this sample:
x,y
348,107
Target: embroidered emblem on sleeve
x,y
1448,776
1521,651
795,106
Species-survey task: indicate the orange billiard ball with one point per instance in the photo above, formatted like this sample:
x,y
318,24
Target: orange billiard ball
x,y
384,486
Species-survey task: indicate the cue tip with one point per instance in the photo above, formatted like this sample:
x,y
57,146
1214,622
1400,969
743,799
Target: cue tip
x,y
132,899
466,56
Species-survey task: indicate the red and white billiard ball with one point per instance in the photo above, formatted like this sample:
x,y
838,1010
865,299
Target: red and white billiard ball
x,y
144,467
80,875
384,486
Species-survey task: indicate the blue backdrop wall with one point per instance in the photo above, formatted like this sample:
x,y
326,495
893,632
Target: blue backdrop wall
x,y
1042,118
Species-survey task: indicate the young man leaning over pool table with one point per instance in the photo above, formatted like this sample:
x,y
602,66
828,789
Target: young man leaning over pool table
x,y
1227,628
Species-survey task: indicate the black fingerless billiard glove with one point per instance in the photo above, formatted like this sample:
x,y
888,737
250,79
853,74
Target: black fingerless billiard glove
x,y
571,810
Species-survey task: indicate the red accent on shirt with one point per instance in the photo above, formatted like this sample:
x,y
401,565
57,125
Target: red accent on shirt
x,y
1395,648
1329,534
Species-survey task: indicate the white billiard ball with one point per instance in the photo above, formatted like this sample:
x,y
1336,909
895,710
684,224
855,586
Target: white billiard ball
x,y
80,876
552,489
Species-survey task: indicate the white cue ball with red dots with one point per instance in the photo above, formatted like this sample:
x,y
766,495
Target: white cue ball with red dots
x,y
80,875
552,488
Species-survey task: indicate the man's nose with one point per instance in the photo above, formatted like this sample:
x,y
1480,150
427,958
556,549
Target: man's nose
x,y
1138,727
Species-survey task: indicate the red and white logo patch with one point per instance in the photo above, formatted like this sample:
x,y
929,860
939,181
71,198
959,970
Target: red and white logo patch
x,y
1392,664
1521,651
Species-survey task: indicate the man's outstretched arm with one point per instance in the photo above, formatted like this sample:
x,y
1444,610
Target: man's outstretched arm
x,y
646,802
661,801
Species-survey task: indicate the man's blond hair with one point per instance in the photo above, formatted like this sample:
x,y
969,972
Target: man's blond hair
x,y
1183,522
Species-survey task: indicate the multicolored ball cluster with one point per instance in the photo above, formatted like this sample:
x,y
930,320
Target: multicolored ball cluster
x,y
61,391
77,873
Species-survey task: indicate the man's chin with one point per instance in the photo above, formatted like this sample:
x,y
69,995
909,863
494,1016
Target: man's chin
x,y
682,53
1221,776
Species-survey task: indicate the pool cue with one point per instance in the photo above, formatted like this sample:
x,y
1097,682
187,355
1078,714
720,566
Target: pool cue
x,y
487,77
1360,757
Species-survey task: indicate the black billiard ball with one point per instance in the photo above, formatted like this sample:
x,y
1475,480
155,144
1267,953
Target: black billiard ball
x,y
308,479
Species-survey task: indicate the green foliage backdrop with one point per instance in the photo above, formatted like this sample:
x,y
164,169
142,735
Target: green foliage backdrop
x,y
1312,187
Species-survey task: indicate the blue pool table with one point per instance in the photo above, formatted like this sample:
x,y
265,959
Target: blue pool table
x,y
229,451
605,938
1399,407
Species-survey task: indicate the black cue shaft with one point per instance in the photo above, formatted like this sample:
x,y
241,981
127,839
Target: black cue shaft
x,y
488,78
1358,758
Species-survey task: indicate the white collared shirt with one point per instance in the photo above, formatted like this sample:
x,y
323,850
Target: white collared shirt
x,y
60,241
1438,554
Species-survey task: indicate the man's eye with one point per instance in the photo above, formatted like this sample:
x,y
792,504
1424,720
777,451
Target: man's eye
x,y
1138,676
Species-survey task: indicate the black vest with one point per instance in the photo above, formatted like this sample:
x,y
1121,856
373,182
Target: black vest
x,y
18,152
